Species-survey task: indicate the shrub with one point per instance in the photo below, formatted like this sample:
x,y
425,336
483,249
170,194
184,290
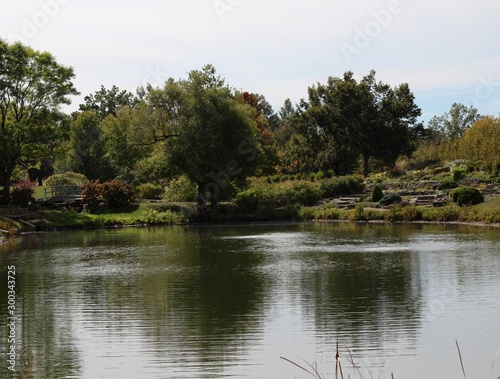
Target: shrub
x,y
305,193
358,214
66,179
249,198
390,199
444,214
458,173
113,193
155,217
279,194
22,192
411,213
92,194
395,213
447,184
150,191
328,213
116,193
306,213
467,196
377,194
320,175
342,185
180,189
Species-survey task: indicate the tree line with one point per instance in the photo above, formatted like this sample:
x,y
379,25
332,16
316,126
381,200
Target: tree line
x,y
202,128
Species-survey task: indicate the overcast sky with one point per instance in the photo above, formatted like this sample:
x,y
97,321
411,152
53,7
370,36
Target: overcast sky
x,y
447,51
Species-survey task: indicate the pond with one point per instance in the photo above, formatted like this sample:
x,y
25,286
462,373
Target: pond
x,y
228,301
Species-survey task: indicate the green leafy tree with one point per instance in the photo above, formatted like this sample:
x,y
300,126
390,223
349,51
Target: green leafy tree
x,y
344,118
283,133
481,143
298,155
327,121
159,114
107,102
453,124
156,119
263,117
385,119
268,111
85,152
348,114
33,86
216,137
121,150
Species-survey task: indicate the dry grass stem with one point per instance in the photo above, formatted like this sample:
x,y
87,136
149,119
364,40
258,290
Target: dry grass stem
x,y
461,361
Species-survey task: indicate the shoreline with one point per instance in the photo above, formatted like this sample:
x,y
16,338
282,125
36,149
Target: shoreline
x,y
420,222
5,238
139,215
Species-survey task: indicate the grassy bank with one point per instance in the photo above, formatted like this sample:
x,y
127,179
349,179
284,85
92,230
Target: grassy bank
x,y
487,213
267,200
178,213
136,214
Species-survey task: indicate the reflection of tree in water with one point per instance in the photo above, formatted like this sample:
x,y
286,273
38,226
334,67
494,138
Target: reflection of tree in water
x,y
367,293
364,286
206,300
40,329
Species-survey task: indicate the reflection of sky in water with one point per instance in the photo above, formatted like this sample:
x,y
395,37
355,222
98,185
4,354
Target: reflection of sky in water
x,y
308,241
311,242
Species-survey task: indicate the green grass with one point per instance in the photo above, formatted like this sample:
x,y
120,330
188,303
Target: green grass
x,y
143,213
69,219
487,212
490,203
39,192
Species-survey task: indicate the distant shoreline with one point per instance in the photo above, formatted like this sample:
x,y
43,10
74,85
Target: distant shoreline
x,y
4,238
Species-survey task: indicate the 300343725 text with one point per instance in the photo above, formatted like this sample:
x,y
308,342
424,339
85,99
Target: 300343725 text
x,y
11,319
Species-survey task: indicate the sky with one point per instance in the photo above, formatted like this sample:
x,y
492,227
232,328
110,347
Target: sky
x,y
447,51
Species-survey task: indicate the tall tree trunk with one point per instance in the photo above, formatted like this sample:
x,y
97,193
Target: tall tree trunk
x,y
201,198
366,164
7,180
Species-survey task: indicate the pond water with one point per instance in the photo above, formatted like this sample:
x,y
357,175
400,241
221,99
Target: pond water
x,y
229,301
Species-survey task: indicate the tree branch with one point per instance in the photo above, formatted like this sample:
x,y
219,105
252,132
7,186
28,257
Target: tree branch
x,y
157,139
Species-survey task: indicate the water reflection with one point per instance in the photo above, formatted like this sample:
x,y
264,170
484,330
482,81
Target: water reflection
x,y
227,301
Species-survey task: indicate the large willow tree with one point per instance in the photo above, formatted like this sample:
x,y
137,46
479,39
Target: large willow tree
x,y
207,131
33,86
